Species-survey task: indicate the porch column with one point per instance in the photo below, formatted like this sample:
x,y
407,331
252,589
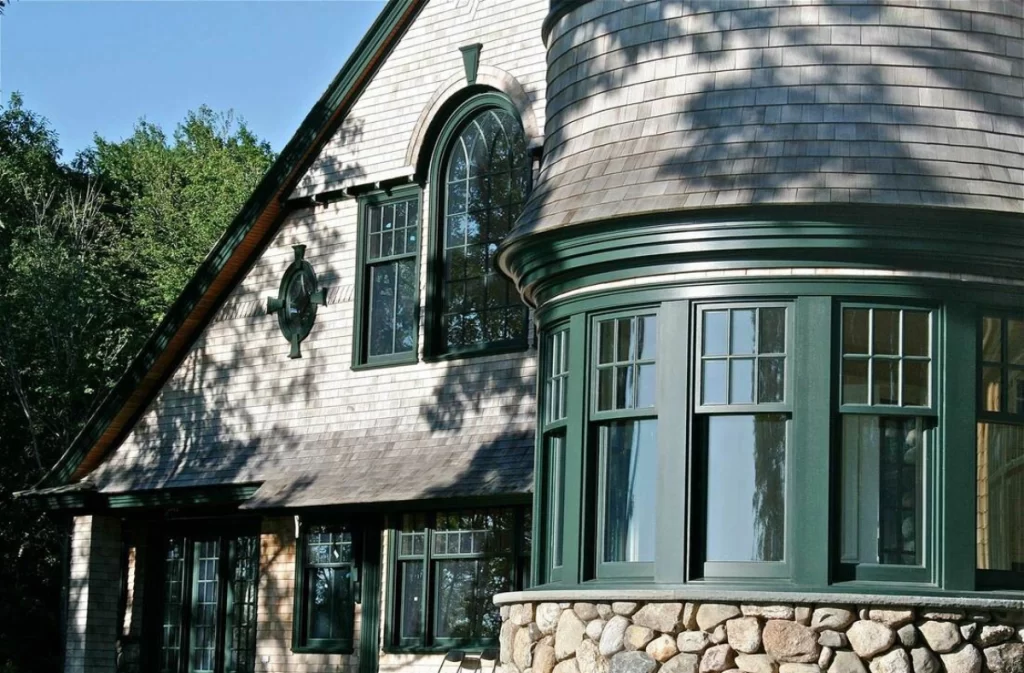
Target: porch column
x,y
93,591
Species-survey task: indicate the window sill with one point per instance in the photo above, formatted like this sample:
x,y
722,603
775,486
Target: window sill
x,y
323,649
383,363
484,351
471,648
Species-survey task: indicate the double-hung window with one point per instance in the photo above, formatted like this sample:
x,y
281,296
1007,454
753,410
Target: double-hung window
x,y
624,423
887,416
327,589
743,410
388,287
553,422
1000,452
447,568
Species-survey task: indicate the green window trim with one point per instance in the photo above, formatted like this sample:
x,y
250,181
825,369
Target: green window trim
x,y
762,354
554,405
367,260
348,567
437,346
416,539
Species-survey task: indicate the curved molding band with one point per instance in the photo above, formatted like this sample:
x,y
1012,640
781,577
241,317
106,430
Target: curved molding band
x,y
487,76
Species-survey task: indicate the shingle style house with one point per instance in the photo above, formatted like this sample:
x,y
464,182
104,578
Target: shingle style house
x,y
615,335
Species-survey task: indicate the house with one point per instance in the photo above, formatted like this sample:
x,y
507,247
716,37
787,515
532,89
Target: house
x,y
679,334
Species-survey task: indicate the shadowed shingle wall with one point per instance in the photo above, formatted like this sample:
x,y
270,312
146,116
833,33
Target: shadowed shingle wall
x,y
656,106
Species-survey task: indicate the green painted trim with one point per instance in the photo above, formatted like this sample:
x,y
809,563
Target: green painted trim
x,y
547,263
471,61
434,349
372,564
360,359
296,156
91,501
296,333
300,643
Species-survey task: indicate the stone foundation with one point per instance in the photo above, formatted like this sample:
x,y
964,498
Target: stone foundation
x,y
687,637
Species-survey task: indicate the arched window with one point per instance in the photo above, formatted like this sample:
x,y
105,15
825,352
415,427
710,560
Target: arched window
x,y
485,174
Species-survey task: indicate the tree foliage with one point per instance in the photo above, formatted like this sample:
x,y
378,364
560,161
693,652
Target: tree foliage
x,y
91,256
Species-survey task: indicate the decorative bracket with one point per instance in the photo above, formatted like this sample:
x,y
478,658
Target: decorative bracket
x,y
471,61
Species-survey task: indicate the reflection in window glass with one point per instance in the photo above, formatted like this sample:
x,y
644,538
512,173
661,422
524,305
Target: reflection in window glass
x,y
882,489
886,357
746,486
1000,494
1002,366
743,356
630,467
392,294
626,351
556,497
330,604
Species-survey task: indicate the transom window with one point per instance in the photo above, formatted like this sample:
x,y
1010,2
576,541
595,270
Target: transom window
x,y
447,567
487,179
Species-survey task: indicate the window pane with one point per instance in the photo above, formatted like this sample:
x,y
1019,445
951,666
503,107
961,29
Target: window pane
x,y
746,487
1015,391
855,331
625,340
771,330
411,618
204,604
556,497
771,380
716,330
648,337
645,386
624,387
713,380
606,341
886,332
405,306
742,333
244,585
382,309
885,384
463,592
916,333
992,388
630,470
1000,493
855,381
992,339
882,489
1015,342
330,606
170,636
915,383
741,382
605,389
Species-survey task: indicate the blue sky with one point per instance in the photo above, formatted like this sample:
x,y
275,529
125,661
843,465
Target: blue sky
x,y
98,66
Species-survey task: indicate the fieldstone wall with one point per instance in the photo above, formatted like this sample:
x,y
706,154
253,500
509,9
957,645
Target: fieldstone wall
x,y
633,637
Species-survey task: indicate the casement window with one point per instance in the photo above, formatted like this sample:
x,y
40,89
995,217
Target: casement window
x,y
447,567
1000,452
485,176
208,604
388,286
743,411
328,588
887,421
624,425
555,358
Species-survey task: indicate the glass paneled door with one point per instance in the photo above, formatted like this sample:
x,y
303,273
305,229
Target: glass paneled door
x,y
208,617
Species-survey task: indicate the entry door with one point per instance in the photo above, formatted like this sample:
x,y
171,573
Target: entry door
x,y
209,604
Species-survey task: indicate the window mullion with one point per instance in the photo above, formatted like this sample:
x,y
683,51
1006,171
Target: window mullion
x,y
955,469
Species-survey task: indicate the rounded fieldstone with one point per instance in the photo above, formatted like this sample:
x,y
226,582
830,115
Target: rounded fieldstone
x,y
834,619
567,666
521,615
522,649
568,635
611,637
768,611
546,617
710,615
940,636
907,635
825,658
967,659
847,662
802,615
506,638
993,634
719,635
716,659
689,619
968,630
589,658
504,612
585,611
924,660
896,661
604,611
637,637
1005,658
833,639
869,638
891,618
799,668
943,615
682,663
693,641
662,648
624,608
790,642
756,663
659,616
544,659
633,662
595,628
744,634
